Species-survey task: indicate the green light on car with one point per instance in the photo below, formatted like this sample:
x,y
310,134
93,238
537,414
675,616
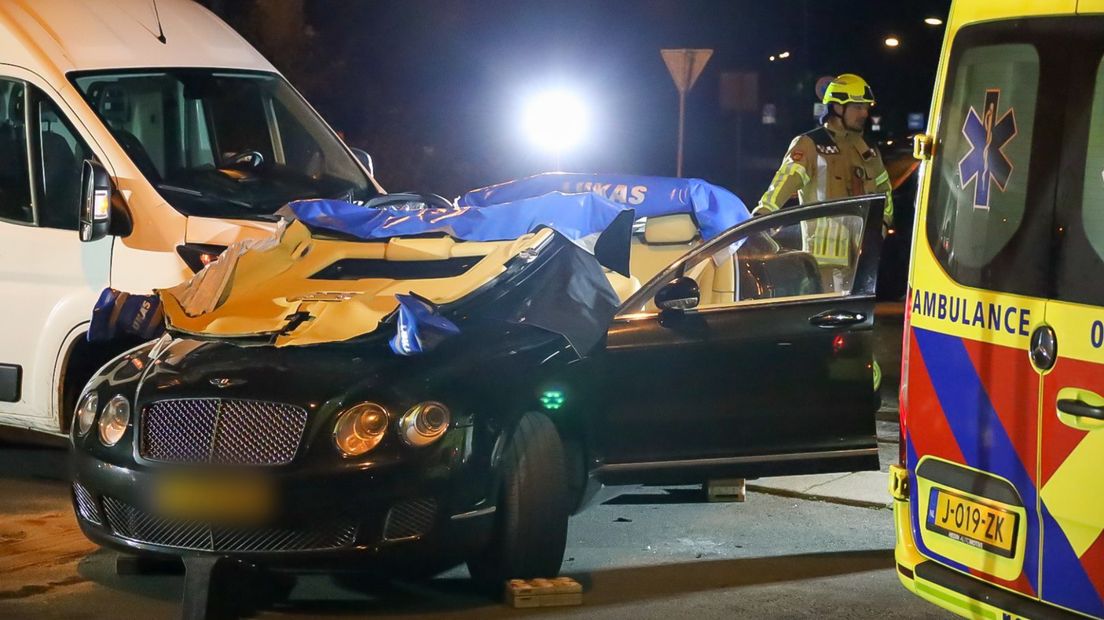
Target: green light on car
x,y
552,400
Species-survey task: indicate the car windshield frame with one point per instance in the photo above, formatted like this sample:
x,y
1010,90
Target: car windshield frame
x,y
189,151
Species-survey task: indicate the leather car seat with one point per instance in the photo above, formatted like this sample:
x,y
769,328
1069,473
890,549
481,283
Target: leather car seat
x,y
665,239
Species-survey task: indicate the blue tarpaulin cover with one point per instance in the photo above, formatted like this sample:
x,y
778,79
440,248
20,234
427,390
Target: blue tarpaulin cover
x,y
576,216
419,328
714,208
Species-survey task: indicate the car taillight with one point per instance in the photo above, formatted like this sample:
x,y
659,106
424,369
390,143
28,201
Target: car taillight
x,y
902,395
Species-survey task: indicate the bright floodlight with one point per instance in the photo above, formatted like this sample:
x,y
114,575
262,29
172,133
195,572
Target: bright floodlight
x,y
933,21
892,42
556,120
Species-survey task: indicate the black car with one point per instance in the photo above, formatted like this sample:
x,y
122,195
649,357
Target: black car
x,y
748,356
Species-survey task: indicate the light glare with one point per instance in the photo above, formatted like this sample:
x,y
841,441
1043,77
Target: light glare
x,y
892,42
556,120
933,21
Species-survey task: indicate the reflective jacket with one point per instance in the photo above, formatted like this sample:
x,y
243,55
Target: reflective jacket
x,y
828,163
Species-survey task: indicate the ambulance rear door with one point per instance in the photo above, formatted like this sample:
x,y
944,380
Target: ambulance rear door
x,y
1072,425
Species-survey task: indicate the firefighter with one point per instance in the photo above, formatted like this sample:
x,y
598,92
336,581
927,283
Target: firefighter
x,y
831,162
828,163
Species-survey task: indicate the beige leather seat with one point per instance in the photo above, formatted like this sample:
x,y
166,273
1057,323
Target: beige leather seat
x,y
666,239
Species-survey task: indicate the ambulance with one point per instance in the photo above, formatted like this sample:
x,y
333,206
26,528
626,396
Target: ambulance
x,y
998,504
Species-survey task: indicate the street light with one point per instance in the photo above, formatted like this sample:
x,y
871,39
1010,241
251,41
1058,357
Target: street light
x,y
933,21
555,121
784,55
892,41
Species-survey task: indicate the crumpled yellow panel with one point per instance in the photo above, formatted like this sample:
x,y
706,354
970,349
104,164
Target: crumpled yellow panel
x,y
256,288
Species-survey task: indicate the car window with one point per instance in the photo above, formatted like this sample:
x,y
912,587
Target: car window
x,y
62,153
1080,273
978,199
15,178
811,258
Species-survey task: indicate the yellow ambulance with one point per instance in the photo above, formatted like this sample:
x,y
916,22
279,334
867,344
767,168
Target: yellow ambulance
x,y
999,495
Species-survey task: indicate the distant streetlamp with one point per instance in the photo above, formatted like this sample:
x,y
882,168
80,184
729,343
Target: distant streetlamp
x,y
556,121
892,42
933,21
784,55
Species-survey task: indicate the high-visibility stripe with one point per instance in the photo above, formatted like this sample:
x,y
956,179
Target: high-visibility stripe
x,y
822,178
882,178
771,198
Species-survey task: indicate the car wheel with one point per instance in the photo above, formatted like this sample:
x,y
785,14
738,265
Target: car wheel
x,y
530,532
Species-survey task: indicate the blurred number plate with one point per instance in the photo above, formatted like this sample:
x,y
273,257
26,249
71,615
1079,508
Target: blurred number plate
x,y
223,499
976,524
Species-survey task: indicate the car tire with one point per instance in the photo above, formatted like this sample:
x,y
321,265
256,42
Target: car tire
x,y
530,530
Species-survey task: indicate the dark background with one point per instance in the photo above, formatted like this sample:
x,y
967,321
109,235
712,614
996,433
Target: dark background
x,y
433,89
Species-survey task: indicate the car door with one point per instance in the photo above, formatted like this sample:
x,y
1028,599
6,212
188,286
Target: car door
x,y
769,373
50,279
1072,417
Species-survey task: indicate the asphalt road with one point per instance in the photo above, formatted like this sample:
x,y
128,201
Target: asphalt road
x,y
643,553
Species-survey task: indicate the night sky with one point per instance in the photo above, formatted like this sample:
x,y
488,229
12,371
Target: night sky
x,y
433,89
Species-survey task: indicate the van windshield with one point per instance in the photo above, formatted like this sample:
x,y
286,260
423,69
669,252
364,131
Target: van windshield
x,y
219,143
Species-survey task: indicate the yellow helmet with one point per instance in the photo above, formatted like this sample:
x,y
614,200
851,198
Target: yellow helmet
x,y
848,88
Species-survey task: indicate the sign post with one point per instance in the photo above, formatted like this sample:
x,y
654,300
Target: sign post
x,y
685,65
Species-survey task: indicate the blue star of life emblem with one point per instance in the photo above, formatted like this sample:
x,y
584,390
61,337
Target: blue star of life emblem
x,y
986,162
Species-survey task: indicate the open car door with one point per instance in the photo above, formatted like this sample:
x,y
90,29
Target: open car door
x,y
750,356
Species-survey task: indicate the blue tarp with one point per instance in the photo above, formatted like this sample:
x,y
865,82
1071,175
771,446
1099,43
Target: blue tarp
x,y
714,208
575,216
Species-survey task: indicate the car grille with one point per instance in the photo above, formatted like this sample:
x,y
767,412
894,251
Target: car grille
x,y
130,522
87,507
410,518
214,430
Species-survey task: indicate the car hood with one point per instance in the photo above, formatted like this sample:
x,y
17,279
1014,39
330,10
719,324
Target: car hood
x,y
301,289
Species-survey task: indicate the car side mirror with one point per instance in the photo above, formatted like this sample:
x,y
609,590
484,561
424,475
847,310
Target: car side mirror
x,y
679,294
365,160
95,206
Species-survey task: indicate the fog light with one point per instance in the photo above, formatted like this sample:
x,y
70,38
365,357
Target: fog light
x,y
113,422
86,412
424,424
360,428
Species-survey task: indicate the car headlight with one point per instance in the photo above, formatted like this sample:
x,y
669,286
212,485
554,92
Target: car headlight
x,y
114,420
360,428
424,424
86,412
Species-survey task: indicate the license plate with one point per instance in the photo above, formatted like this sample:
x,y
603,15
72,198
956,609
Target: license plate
x,y
221,499
974,523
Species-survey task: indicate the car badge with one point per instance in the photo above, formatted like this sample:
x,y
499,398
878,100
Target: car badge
x,y
225,382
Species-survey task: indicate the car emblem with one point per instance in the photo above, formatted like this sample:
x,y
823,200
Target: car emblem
x,y
225,382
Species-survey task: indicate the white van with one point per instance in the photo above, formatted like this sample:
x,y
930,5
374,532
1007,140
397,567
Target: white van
x,y
196,137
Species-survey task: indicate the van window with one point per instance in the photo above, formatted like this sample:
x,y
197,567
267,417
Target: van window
x,y
15,179
1080,276
219,143
978,198
62,154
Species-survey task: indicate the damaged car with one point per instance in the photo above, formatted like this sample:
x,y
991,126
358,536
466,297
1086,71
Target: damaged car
x,y
417,389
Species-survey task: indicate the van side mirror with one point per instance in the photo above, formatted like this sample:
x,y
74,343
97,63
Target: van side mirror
x,y
95,206
365,160
679,294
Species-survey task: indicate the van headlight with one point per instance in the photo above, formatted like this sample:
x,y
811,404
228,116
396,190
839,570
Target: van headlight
x,y
114,420
424,423
86,412
360,428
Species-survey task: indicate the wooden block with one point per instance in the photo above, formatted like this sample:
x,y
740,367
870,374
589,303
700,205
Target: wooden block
x,y
528,593
726,490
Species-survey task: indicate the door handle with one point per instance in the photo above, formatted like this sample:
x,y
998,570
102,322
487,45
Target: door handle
x,y
1080,408
837,318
